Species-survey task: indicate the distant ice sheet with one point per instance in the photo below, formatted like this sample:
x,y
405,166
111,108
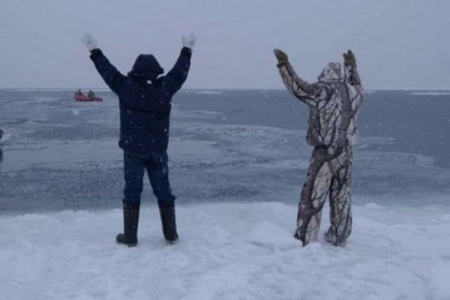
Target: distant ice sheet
x,y
431,93
208,92
226,251
370,91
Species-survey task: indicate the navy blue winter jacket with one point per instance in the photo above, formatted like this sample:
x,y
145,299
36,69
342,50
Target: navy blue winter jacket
x,y
145,99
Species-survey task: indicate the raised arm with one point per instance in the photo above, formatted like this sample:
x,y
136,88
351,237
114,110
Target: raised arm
x,y
177,76
112,77
356,90
305,92
354,78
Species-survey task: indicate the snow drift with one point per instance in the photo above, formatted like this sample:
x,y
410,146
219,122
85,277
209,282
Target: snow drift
x,y
226,251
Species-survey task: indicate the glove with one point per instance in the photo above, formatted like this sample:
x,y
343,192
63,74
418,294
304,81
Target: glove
x,y
349,59
89,42
189,41
281,57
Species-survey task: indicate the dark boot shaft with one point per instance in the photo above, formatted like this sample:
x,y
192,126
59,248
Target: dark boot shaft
x,y
130,222
168,221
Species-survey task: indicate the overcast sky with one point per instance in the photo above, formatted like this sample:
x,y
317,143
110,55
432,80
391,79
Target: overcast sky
x,y
399,44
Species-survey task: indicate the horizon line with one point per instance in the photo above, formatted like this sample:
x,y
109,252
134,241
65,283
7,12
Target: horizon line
x,y
210,89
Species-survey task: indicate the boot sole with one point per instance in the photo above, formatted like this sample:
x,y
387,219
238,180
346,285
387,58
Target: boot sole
x,y
124,244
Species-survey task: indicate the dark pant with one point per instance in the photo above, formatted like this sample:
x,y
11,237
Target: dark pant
x,y
158,174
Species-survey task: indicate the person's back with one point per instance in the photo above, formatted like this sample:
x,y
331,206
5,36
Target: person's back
x,y
333,121
145,97
333,102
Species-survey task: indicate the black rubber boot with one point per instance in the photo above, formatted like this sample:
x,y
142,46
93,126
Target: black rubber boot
x,y
169,225
130,224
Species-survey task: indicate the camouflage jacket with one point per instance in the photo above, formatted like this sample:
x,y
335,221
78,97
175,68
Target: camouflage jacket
x,y
333,102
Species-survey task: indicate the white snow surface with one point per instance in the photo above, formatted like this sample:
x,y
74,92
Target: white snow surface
x,y
226,251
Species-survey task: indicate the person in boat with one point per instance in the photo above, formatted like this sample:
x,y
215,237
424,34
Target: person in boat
x,y
91,95
78,93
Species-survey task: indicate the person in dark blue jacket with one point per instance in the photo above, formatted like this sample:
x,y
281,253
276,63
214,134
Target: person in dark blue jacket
x,y
145,97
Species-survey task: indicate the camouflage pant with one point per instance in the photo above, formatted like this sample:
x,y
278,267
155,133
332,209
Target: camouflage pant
x,y
328,176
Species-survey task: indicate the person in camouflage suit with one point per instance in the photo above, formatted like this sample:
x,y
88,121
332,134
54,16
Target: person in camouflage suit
x,y
332,130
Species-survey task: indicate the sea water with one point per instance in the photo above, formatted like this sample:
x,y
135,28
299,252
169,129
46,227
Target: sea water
x,y
225,145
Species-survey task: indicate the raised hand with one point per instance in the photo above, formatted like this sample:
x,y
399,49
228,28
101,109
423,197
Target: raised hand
x,y
281,57
349,59
189,41
89,42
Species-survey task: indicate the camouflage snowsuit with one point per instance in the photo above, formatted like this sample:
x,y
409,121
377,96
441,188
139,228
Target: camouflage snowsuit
x,y
333,102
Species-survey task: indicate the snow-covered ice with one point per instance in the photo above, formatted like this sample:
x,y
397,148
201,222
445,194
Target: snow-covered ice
x,y
237,168
226,251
